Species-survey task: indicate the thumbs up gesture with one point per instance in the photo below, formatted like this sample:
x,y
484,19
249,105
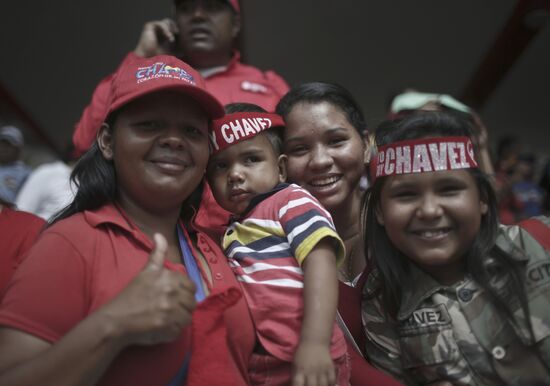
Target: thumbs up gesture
x,y
156,305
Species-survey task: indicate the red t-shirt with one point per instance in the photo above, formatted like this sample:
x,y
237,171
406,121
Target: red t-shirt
x,y
18,232
349,306
80,263
266,249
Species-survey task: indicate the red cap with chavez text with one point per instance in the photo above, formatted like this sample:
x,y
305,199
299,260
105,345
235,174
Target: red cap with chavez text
x,y
237,127
143,76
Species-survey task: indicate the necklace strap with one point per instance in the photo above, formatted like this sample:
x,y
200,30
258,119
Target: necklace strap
x,y
190,265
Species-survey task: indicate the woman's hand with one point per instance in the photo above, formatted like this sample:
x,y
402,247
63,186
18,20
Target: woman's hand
x,y
156,305
313,366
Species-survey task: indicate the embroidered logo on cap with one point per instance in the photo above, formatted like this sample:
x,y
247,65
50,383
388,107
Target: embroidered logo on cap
x,y
163,70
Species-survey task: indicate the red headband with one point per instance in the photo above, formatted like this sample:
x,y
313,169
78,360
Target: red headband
x,y
237,127
423,155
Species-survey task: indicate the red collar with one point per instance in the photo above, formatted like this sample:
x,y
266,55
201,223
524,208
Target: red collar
x,y
236,58
113,215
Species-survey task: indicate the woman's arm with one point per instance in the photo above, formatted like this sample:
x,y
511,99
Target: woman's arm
x,y
79,358
312,360
153,309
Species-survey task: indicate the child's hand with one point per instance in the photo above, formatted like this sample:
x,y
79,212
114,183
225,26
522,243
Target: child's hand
x,y
313,366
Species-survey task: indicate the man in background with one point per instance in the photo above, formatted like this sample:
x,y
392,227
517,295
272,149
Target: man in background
x,y
203,33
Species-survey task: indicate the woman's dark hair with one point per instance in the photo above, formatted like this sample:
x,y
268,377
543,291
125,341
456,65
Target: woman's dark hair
x,y
317,92
94,178
6,203
393,267
274,135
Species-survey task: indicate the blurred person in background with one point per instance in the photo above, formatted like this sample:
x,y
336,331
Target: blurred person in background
x,y
13,171
530,195
203,33
48,188
508,150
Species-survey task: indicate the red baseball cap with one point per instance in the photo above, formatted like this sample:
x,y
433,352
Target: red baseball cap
x,y
144,76
234,4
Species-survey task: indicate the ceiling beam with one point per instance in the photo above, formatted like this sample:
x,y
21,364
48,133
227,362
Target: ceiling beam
x,y
14,111
526,20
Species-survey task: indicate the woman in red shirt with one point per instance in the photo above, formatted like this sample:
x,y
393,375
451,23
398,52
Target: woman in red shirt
x,y
108,295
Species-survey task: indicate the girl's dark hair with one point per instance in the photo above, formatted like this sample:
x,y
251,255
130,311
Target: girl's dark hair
x,y
274,135
317,92
95,180
393,267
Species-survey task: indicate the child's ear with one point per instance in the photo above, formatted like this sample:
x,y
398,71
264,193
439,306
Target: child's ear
x,y
104,140
281,161
379,215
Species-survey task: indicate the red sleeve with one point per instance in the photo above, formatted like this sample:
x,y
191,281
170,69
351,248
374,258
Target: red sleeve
x,y
18,231
33,225
47,296
95,113
349,306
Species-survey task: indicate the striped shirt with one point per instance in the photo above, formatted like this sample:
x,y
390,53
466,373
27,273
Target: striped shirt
x,y
266,249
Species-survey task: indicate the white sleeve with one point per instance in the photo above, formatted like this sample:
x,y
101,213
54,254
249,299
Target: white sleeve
x,y
29,197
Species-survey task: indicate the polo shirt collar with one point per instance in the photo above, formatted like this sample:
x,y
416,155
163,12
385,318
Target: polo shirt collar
x,y
424,286
113,215
209,72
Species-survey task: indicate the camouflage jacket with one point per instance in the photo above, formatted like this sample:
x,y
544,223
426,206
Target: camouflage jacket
x,y
456,333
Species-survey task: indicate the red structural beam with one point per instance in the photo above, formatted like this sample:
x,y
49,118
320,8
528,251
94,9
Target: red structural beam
x,y
11,105
524,23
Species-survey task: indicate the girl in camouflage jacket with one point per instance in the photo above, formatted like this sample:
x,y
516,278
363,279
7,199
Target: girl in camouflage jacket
x,y
453,296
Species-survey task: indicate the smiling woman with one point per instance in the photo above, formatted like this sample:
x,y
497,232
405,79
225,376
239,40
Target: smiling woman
x,y
118,287
325,142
